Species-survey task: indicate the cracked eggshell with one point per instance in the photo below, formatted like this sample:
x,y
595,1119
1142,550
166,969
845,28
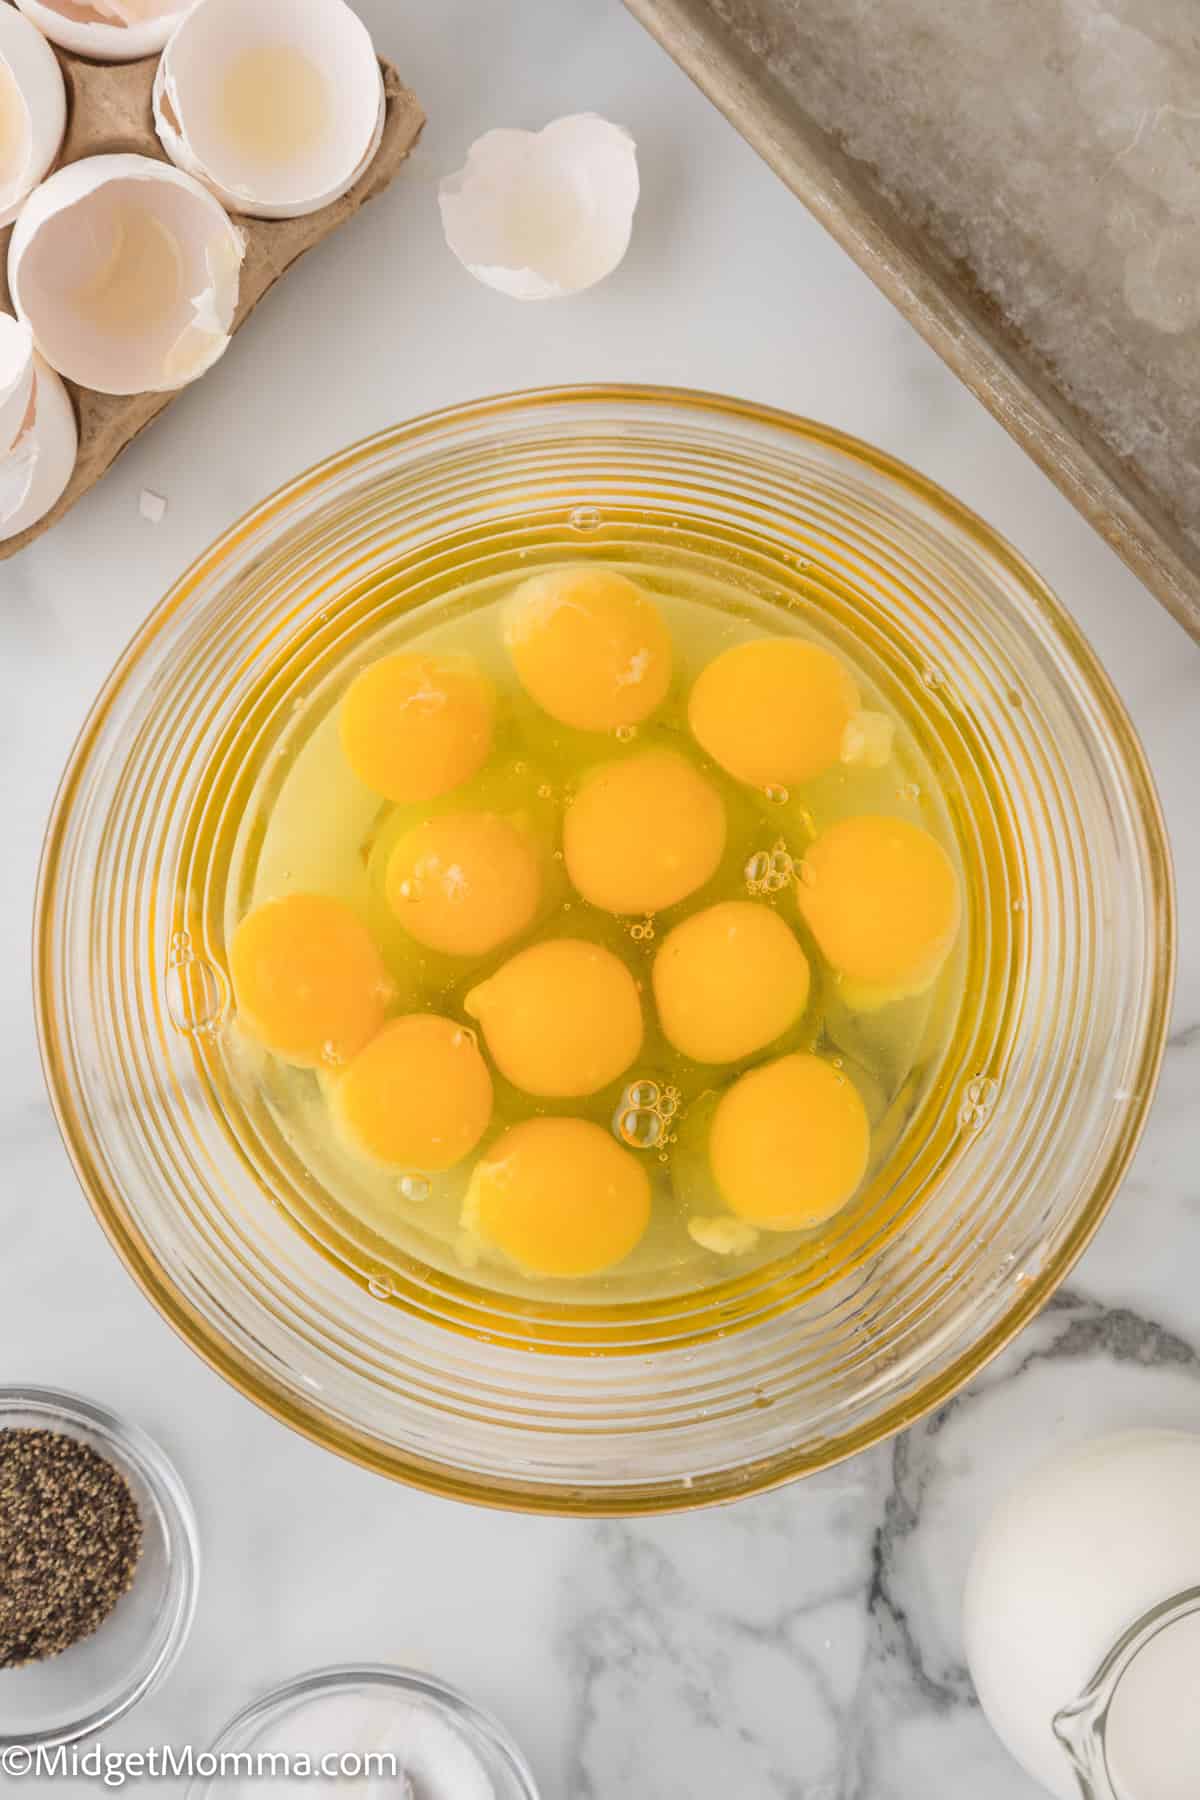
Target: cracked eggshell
x,y
16,380
33,110
107,30
127,272
277,107
37,469
541,214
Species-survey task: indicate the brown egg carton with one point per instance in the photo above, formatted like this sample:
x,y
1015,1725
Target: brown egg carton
x,y
109,111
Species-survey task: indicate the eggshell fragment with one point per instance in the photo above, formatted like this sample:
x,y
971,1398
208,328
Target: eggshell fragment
x,y
541,214
16,380
17,471
107,30
35,472
277,107
127,272
33,110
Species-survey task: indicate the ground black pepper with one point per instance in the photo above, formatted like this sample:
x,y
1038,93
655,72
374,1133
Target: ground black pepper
x,y
70,1539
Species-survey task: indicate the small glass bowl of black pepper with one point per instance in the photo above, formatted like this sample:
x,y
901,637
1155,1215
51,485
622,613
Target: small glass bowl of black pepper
x,y
98,1567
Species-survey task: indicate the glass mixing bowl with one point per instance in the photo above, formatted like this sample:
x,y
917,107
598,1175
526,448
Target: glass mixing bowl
x,y
1003,1174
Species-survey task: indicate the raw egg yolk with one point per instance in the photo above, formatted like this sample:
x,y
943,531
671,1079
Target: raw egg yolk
x,y
590,647
308,980
561,1018
559,1197
643,833
413,726
881,897
464,882
418,1097
789,1143
728,981
773,711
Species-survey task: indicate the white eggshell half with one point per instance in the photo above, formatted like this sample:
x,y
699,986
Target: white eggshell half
x,y
35,473
96,30
33,110
541,214
341,99
16,380
127,272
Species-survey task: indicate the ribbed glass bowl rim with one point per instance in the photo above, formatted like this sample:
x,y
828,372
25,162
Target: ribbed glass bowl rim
x,y
274,514
129,1448
412,1684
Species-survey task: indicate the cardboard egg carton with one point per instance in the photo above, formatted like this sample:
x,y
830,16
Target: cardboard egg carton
x,y
109,110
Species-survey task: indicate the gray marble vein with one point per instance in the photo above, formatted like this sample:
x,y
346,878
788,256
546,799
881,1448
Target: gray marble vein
x,y
807,1644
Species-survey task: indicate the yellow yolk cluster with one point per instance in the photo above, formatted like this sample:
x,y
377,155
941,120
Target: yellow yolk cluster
x,y
789,1143
881,897
464,882
773,712
590,647
728,981
643,833
559,1197
563,1018
418,1097
413,727
560,1019
308,981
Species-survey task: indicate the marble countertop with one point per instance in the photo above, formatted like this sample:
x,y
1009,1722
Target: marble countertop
x,y
802,1646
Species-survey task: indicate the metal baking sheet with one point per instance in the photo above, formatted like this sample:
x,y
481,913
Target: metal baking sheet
x,y
1022,179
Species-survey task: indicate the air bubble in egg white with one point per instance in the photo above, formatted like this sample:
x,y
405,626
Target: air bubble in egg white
x,y
645,1115
641,1130
769,871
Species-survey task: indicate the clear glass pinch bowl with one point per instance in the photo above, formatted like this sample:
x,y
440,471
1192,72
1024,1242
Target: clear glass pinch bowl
x,y
86,1688
989,1197
277,1718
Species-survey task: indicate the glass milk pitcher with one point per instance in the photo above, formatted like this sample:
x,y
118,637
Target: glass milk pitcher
x,y
1134,1733
1082,1619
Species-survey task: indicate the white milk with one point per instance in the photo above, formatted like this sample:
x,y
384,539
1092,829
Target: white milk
x,y
1077,1554
1153,1733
